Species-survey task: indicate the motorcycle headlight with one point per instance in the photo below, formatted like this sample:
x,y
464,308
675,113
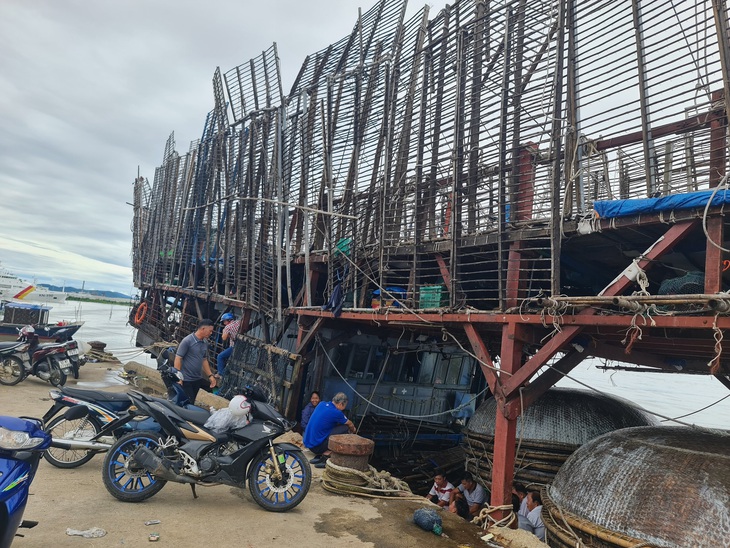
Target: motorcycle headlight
x,y
14,440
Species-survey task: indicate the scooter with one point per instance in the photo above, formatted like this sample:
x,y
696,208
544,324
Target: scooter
x,y
22,441
108,418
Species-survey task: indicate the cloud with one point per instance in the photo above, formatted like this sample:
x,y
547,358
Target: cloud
x,y
89,92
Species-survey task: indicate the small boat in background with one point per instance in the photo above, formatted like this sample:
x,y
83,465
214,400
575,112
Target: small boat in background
x,y
13,287
18,315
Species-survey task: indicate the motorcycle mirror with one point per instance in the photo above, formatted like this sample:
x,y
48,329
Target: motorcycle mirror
x,y
76,412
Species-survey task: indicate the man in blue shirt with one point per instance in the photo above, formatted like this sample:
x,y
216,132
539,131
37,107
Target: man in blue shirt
x,y
327,420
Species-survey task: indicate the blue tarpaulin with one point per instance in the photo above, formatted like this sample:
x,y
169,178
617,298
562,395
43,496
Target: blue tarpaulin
x,y
27,306
622,208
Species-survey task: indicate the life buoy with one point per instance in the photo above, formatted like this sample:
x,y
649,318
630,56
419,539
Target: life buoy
x,y
141,313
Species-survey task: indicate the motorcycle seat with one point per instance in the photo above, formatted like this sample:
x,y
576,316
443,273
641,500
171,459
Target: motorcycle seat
x,y
197,416
6,346
95,395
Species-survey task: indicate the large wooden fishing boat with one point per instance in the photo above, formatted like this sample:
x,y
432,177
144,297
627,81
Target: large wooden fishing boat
x,y
467,201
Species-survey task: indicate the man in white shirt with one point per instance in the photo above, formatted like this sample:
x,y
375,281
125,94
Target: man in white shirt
x,y
440,493
468,499
534,523
520,492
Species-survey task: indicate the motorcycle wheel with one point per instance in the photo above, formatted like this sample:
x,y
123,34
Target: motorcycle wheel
x,y
123,478
76,371
58,377
11,371
84,428
279,495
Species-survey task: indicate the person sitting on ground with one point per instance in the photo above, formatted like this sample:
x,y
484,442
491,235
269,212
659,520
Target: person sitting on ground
x,y
440,493
468,499
230,331
520,491
534,523
314,400
327,420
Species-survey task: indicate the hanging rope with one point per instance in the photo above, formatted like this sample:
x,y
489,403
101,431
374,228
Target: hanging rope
x,y
714,363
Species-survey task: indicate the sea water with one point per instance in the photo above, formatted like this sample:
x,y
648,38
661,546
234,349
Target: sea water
x,y
107,323
668,395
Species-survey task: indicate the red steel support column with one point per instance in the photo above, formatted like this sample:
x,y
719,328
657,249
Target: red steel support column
x,y
505,429
718,154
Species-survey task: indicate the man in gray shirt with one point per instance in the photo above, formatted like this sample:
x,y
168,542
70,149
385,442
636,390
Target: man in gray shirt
x,y
192,359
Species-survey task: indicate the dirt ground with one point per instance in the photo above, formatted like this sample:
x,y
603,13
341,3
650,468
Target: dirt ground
x,y
221,516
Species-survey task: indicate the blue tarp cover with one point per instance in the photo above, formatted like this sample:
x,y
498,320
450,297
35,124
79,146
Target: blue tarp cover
x,y
622,208
27,305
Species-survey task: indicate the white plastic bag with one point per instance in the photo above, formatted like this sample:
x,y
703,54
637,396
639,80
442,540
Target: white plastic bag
x,y
222,420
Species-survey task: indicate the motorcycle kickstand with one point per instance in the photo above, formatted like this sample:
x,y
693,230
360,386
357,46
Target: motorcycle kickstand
x,y
192,486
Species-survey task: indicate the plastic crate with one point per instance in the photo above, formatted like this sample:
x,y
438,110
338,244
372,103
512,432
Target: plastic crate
x,y
432,296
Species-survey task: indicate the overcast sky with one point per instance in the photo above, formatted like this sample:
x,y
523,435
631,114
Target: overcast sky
x,y
91,89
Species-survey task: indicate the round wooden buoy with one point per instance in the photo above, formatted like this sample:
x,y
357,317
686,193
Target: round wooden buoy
x,y
351,451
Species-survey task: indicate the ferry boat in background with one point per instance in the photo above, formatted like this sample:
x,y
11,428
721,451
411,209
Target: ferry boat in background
x,y
13,287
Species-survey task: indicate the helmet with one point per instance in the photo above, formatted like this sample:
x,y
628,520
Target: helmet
x,y
227,316
239,406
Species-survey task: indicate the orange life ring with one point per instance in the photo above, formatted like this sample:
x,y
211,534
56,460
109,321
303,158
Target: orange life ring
x,y
141,313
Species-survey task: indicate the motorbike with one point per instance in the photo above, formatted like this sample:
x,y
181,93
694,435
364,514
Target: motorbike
x,y
80,438
75,356
140,463
12,370
22,441
47,361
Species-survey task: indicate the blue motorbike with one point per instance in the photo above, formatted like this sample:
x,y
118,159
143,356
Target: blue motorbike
x,y
22,441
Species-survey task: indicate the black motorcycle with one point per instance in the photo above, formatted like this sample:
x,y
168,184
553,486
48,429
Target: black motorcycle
x,y
140,463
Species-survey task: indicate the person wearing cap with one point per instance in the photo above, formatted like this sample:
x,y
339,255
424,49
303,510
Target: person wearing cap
x,y
229,334
327,420
191,359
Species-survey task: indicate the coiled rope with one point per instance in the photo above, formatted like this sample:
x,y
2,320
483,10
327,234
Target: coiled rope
x,y
485,520
374,484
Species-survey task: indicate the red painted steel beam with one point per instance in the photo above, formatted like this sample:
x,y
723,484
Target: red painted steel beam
x,y
611,352
665,244
497,319
445,274
683,126
515,283
715,225
543,383
305,335
482,354
505,427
